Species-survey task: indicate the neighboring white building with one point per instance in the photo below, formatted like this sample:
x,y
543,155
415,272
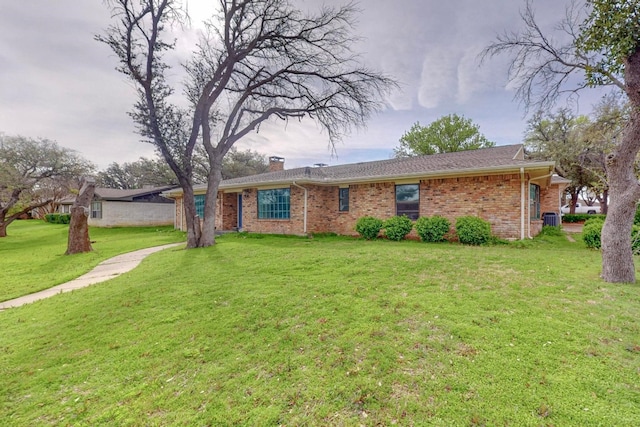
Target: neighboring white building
x,y
128,208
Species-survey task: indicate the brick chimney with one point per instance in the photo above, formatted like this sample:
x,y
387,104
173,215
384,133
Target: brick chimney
x,y
276,164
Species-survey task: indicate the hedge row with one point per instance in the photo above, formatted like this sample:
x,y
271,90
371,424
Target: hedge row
x,y
587,217
56,218
470,230
580,217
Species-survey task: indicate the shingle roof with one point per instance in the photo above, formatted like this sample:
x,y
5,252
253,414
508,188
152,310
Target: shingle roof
x,y
482,160
127,195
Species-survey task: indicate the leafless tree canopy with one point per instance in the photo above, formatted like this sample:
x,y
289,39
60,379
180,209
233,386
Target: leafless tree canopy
x,y
256,60
274,61
541,67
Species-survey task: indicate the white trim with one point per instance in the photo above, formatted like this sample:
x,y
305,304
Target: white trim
x,y
306,194
522,204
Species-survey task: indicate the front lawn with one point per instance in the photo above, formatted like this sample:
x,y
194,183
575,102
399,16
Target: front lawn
x,y
33,253
261,331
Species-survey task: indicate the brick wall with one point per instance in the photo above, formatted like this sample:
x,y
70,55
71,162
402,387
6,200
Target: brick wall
x,y
364,199
293,225
494,198
227,211
550,198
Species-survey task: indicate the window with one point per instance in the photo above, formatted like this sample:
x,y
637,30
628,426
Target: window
x,y
534,201
96,210
274,204
65,209
199,199
343,199
408,200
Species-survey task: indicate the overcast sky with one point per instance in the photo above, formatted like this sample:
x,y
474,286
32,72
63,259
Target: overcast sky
x,y
56,82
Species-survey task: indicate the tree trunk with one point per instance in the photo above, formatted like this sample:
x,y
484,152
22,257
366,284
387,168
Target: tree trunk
x,y
208,237
575,191
617,255
79,241
604,201
3,229
191,218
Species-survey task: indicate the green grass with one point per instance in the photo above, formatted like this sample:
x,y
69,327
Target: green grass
x,y
262,331
33,253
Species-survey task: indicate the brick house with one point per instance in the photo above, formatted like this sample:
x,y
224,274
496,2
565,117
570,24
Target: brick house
x,y
496,184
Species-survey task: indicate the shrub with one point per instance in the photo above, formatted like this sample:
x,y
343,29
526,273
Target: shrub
x,y
397,227
472,230
635,239
432,229
594,220
55,218
636,218
591,234
369,227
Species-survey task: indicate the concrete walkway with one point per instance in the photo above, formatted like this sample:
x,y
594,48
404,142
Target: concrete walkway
x,y
570,227
106,270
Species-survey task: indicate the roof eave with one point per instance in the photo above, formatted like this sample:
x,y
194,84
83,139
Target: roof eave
x,y
545,167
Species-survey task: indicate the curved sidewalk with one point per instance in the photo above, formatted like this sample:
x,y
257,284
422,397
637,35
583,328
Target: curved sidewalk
x,y
107,269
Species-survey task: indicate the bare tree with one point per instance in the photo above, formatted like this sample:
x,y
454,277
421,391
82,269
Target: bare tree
x,y
257,60
604,49
29,168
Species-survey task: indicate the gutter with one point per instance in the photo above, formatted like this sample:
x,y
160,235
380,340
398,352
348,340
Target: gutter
x,y
306,194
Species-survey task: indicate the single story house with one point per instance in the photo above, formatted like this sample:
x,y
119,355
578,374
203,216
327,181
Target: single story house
x,y
112,207
496,184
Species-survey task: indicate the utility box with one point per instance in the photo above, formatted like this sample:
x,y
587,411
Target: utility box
x,y
550,218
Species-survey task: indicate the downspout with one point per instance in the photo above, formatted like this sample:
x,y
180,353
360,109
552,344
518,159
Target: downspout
x,y
306,194
522,204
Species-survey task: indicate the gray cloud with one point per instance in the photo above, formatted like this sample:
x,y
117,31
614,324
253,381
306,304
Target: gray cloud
x,y
57,82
